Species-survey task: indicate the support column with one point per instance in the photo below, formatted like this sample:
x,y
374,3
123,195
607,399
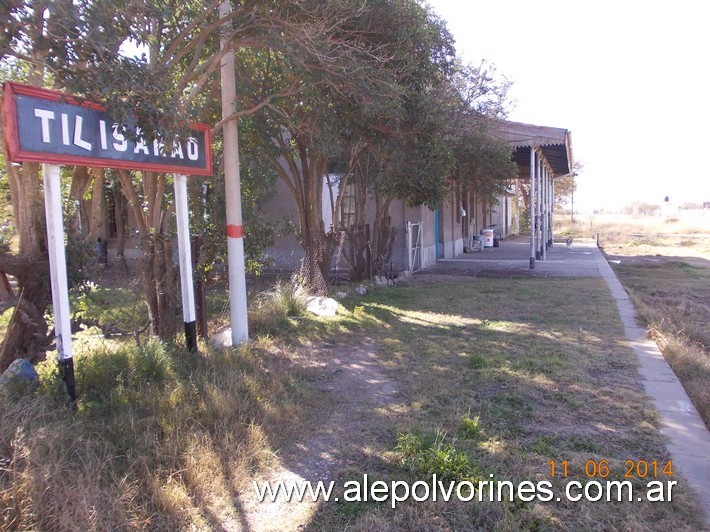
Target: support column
x,y
233,193
533,217
552,212
538,210
549,208
517,206
58,275
185,259
543,190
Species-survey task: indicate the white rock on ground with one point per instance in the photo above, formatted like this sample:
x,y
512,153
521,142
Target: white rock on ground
x,y
322,306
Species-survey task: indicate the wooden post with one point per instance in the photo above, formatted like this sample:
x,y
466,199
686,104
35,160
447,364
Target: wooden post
x,y
185,261
58,275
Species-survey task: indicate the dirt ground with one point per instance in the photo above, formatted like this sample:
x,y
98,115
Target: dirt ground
x,y
353,379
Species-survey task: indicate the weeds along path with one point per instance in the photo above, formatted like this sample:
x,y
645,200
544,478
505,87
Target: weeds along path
x,y
355,391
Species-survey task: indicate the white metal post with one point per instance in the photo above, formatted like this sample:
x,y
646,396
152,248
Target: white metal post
x,y
552,211
408,228
517,206
58,274
538,218
532,207
543,190
233,193
185,259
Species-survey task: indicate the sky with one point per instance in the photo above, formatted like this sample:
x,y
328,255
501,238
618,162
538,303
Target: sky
x,y
630,79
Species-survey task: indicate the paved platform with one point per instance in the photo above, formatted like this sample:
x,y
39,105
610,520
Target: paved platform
x,y
688,437
513,258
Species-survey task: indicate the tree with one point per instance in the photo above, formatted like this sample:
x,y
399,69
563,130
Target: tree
x,y
345,123
566,185
28,334
79,45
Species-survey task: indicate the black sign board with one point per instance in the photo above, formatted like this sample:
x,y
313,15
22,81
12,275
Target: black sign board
x,y
51,127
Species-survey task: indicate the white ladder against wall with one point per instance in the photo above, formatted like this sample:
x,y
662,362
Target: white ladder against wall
x,y
414,245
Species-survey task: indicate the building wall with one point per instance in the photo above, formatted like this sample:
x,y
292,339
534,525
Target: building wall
x,y
502,214
445,231
286,253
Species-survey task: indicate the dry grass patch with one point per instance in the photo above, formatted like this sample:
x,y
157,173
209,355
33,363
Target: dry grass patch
x,y
499,377
160,440
673,300
665,267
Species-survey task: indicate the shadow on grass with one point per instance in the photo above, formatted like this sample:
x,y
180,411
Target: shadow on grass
x,y
542,364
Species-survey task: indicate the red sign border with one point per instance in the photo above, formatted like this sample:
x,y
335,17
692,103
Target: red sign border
x,y
12,140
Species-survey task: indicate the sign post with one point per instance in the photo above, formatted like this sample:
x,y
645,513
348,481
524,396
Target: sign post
x,y
187,289
55,129
58,275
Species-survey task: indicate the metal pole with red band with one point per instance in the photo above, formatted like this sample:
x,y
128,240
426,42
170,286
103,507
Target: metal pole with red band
x,y
235,231
232,191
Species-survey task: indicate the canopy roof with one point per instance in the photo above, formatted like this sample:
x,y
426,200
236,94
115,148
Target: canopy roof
x,y
555,144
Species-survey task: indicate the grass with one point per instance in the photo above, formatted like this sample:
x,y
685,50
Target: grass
x,y
665,267
499,377
642,235
159,440
495,378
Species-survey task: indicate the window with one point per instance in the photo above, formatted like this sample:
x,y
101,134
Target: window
x,y
348,207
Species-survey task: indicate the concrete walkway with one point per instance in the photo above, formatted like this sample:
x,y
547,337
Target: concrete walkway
x,y
688,438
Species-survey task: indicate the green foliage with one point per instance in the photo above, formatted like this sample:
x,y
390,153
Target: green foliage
x,y
477,361
6,234
82,260
483,162
425,454
112,310
470,428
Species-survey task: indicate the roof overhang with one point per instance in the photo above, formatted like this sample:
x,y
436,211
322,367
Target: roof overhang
x,y
554,143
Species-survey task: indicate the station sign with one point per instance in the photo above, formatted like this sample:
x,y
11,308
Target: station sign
x,y
52,127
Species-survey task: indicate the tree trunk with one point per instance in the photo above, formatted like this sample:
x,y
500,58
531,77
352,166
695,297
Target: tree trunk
x,y
157,271
358,238
120,217
28,336
96,215
158,279
30,267
383,236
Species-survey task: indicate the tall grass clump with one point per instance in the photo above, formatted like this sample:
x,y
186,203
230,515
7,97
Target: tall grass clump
x,y
272,310
426,454
160,438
